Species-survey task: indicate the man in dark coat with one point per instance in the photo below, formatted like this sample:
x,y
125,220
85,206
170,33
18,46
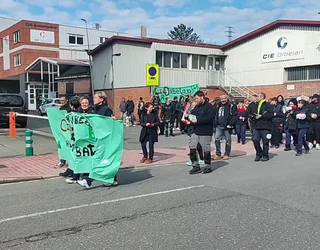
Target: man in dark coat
x,y
261,120
201,118
130,110
315,119
225,121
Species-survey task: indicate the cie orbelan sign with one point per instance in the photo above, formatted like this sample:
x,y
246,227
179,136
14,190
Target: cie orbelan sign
x,y
42,36
282,46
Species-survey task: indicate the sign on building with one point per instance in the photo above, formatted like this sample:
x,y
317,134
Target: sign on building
x,y
153,75
282,46
42,36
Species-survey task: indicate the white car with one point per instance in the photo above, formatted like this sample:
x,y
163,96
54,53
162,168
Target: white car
x,y
48,103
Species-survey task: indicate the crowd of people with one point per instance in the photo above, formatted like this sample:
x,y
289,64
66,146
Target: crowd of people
x,y
203,120
268,120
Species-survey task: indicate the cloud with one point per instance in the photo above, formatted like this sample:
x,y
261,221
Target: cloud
x,y
169,3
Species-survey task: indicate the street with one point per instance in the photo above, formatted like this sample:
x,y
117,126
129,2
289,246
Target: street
x,y
241,205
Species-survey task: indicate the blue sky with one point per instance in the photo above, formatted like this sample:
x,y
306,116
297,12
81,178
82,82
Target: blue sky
x,y
208,17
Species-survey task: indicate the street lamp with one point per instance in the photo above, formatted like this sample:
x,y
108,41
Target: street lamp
x,y
90,62
112,83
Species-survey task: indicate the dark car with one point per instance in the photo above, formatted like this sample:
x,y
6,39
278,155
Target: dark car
x,y
12,103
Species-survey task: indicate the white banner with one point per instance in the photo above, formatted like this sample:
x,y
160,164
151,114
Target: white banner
x,y
282,46
42,36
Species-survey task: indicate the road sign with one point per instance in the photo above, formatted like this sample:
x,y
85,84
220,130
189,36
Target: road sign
x,y
153,75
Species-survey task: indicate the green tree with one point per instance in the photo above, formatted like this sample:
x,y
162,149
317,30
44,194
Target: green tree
x,y
184,33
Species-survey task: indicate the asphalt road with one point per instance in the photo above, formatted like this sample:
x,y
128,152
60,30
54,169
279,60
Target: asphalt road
x,y
241,205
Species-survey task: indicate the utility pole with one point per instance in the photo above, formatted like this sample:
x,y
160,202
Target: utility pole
x,y
90,62
229,32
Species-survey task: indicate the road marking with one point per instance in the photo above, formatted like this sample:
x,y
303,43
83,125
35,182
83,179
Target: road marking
x,y
98,203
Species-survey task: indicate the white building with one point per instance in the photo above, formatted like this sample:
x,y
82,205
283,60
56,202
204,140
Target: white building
x,y
282,57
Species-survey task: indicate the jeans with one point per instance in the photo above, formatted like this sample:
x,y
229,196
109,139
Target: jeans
x,y
241,132
220,133
302,133
168,126
289,134
257,136
145,151
205,142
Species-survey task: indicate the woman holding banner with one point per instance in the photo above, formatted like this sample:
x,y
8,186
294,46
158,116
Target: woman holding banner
x,y
149,132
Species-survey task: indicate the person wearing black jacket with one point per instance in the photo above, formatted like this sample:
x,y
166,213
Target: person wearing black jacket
x,y
261,121
303,116
277,122
201,117
149,132
290,124
130,110
315,119
225,121
168,117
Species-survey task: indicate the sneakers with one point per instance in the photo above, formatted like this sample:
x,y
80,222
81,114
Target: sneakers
x,y
258,158
148,161
201,162
265,158
310,145
217,158
189,163
143,160
61,164
84,183
225,157
71,181
195,170
317,146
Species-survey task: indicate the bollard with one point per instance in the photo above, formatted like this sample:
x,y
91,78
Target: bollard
x,y
29,141
12,123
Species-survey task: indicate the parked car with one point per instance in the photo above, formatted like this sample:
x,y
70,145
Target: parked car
x,y
48,103
12,103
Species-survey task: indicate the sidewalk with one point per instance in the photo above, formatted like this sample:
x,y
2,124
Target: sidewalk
x,y
16,169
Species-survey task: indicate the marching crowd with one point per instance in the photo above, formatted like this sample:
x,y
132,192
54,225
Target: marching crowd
x,y
268,120
201,119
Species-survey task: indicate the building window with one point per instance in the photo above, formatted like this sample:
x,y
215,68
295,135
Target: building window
x,y
167,59
103,39
176,60
202,62
72,39
210,63
76,39
79,39
195,62
184,61
17,60
305,73
16,37
159,57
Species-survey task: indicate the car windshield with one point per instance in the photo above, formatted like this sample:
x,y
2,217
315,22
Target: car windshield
x,y
11,101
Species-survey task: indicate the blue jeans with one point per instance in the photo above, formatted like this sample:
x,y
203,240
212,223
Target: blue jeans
x,y
241,132
302,133
220,133
289,134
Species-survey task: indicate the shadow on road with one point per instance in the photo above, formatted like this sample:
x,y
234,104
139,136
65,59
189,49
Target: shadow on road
x,y
218,164
129,176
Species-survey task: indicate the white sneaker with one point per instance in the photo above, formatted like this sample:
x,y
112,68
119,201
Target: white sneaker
x,y
83,183
310,145
189,163
71,181
317,146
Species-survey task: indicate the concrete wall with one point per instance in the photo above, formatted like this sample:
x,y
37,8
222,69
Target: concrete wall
x,y
245,63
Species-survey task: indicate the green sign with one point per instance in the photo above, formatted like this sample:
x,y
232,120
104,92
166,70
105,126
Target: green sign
x,y
171,92
89,143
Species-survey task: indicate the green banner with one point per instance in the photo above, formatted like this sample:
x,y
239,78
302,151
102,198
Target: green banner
x,y
89,143
171,92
